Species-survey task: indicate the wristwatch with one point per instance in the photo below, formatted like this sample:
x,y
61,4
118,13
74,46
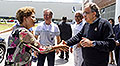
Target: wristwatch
x,y
94,43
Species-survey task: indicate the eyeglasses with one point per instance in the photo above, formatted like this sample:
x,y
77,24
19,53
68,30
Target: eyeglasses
x,y
79,17
85,13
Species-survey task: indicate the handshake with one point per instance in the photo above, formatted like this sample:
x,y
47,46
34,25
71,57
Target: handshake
x,y
85,42
46,49
61,47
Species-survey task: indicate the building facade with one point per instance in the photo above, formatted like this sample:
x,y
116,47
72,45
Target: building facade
x,y
107,7
59,9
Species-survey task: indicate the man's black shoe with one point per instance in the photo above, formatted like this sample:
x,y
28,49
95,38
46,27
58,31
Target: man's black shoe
x,y
66,59
61,57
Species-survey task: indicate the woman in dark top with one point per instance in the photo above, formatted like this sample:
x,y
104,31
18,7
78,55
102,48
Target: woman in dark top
x,y
111,53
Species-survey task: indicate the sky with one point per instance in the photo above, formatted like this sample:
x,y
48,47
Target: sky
x,y
76,1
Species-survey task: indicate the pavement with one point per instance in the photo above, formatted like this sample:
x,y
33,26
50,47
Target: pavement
x,y
58,61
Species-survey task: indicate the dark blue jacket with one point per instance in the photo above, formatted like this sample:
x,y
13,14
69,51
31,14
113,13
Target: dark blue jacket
x,y
117,32
102,33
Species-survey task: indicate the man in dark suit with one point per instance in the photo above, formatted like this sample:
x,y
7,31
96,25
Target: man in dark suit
x,y
65,34
96,38
117,38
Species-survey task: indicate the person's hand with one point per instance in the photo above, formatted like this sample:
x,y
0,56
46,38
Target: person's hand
x,y
63,42
86,42
35,53
117,43
57,51
62,46
61,49
78,45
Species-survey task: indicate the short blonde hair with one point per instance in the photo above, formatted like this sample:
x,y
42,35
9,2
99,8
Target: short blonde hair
x,y
24,12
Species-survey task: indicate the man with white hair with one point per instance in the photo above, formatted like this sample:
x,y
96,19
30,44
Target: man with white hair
x,y
79,23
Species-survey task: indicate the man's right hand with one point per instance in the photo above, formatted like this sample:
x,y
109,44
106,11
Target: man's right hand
x,y
117,43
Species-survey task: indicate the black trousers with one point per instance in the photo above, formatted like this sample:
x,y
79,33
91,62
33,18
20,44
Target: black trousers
x,y
50,58
118,64
117,48
89,64
66,54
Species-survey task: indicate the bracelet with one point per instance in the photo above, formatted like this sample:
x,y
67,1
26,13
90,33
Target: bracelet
x,y
48,49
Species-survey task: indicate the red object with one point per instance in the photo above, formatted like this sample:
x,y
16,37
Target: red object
x,y
41,49
11,20
28,46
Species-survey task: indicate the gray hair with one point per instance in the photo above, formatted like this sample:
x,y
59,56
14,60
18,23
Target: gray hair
x,y
47,9
79,11
94,8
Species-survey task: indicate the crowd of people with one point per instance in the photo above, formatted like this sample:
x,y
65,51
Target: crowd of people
x,y
92,38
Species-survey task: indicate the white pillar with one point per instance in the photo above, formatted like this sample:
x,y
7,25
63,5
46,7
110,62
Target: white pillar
x,y
117,11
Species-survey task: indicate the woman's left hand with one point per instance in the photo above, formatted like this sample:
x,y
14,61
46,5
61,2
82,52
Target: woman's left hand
x,y
61,47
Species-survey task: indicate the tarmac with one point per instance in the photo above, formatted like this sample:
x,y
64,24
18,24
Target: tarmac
x,y
58,61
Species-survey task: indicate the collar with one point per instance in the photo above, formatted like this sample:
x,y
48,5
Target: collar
x,y
46,24
79,23
95,20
